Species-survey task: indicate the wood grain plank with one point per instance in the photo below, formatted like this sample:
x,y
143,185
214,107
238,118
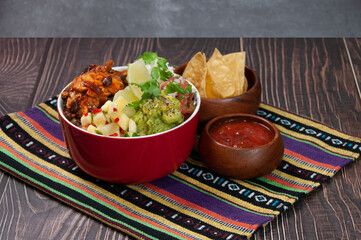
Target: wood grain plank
x,y
179,50
21,65
21,62
354,49
313,77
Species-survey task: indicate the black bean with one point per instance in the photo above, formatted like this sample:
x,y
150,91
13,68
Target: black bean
x,y
77,123
124,79
107,81
67,114
74,107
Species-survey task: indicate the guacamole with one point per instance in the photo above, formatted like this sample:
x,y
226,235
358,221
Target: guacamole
x,y
158,114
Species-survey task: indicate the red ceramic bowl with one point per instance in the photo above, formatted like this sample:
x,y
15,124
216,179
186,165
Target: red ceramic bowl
x,y
130,160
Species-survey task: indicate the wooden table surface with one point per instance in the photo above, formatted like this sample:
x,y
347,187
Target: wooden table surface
x,y
317,78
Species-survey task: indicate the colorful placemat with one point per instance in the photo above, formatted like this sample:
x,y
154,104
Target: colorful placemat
x,y
191,203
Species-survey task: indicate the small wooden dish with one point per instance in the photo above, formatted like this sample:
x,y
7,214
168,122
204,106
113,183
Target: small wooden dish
x,y
247,102
240,163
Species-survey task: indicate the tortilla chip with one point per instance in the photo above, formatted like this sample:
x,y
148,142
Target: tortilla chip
x,y
196,72
243,79
236,62
209,88
221,78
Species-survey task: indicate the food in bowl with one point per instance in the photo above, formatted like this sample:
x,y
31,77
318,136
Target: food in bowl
x,y
142,158
241,133
91,89
222,150
148,100
222,76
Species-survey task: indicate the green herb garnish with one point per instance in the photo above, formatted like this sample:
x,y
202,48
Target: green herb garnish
x,y
189,88
151,88
134,104
162,69
135,135
173,87
148,57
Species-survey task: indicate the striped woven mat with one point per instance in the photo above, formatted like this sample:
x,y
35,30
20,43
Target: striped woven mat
x,y
191,203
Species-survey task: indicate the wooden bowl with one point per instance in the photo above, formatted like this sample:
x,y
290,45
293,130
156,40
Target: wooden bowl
x,y
240,163
247,102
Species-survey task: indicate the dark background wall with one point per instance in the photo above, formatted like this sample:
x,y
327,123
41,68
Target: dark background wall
x,y
180,18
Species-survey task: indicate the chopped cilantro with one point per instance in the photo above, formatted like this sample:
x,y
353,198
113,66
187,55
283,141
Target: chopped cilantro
x,y
148,57
189,88
165,74
162,70
134,104
173,87
155,73
162,63
150,89
135,135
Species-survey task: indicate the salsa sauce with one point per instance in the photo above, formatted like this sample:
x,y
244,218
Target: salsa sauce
x,y
241,134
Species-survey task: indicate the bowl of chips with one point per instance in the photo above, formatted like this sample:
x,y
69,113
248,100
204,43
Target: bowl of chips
x,y
225,83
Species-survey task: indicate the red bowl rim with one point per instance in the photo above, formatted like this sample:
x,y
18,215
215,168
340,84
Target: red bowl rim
x,y
121,68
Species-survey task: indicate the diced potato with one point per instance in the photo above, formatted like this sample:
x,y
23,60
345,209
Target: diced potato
x,y
105,107
91,129
121,102
132,126
129,111
111,129
86,119
99,119
108,118
123,121
113,110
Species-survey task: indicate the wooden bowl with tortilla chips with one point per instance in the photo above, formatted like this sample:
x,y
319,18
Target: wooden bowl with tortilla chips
x,y
218,103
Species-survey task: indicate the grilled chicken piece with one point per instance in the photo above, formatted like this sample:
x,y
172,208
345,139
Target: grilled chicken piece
x,y
92,89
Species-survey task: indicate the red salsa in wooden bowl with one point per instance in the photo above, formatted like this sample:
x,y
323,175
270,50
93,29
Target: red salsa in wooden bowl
x,y
241,146
241,134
